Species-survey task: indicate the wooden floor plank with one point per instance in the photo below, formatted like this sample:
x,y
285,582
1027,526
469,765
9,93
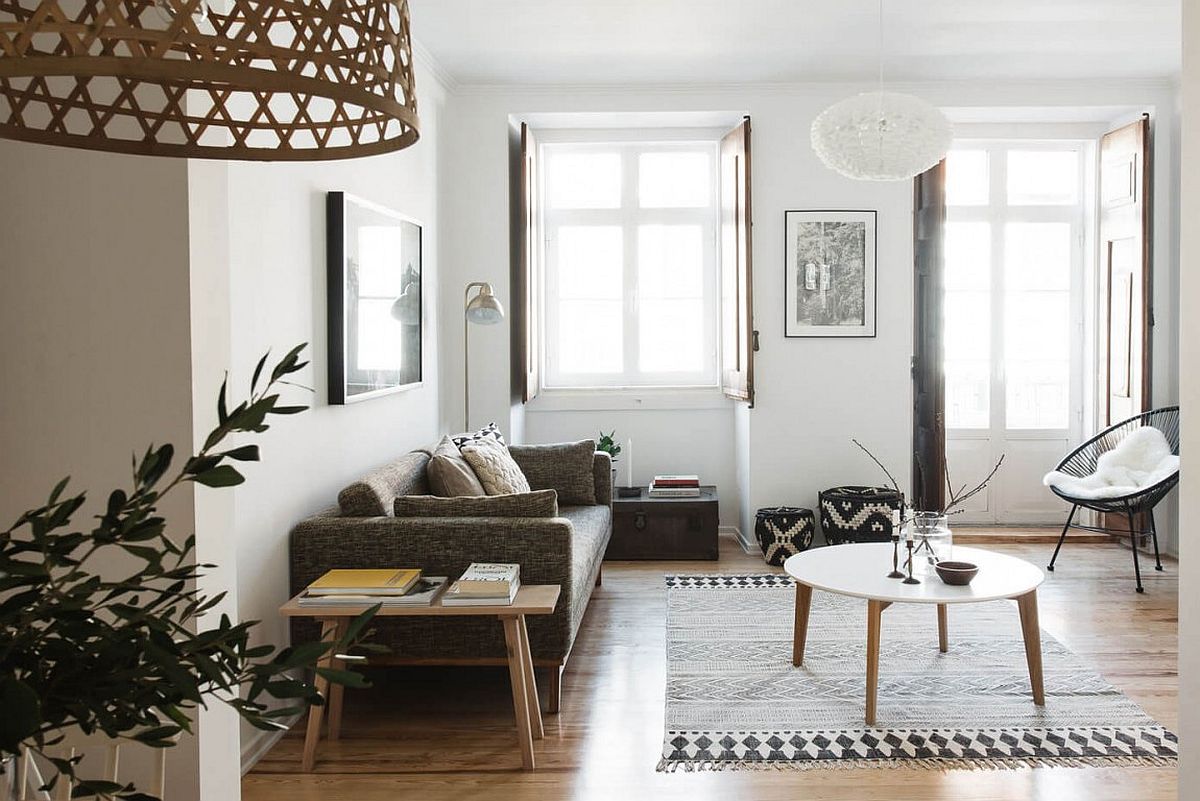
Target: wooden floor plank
x,y
448,733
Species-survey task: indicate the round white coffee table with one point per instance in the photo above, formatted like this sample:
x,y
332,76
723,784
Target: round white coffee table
x,y
860,571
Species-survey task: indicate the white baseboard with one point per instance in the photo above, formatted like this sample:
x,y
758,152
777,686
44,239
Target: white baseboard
x,y
747,544
261,743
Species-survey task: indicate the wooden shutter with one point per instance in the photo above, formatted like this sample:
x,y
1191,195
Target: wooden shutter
x,y
737,302
1126,316
527,277
929,381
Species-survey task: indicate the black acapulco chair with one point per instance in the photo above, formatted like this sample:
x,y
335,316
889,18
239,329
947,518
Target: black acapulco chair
x,y
1082,462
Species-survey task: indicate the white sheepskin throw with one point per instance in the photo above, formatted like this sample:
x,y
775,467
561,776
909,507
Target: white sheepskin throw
x,y
1140,460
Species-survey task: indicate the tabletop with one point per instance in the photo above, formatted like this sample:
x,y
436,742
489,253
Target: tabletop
x,y
532,599
860,570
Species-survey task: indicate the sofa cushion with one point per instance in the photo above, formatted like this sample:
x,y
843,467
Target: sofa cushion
x,y
565,467
543,503
374,494
490,431
496,470
449,474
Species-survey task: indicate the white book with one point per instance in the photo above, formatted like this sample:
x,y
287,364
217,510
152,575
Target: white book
x,y
423,593
489,579
674,492
455,597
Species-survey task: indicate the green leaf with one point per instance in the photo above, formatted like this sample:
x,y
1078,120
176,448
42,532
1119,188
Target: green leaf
x,y
222,476
289,409
222,411
246,453
258,368
22,713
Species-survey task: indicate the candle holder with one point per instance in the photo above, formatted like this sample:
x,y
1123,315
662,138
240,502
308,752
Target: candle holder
x,y
895,574
910,579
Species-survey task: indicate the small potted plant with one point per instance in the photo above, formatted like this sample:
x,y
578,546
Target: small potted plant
x,y
608,444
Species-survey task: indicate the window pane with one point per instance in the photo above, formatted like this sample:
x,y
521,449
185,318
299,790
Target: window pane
x,y
1043,177
968,255
1038,394
967,178
590,261
583,180
968,318
590,336
1037,341
378,275
1037,256
671,336
670,261
968,394
675,180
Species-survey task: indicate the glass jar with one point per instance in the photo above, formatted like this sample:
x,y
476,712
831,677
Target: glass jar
x,y
932,540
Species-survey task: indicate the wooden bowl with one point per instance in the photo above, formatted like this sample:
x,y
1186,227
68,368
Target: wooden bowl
x,y
957,573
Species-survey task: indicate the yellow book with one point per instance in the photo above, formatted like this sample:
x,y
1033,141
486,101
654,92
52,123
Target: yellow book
x,y
389,581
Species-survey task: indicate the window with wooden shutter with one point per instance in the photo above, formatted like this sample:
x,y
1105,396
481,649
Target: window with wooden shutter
x,y
737,307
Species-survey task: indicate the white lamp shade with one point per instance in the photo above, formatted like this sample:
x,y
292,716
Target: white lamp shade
x,y
881,136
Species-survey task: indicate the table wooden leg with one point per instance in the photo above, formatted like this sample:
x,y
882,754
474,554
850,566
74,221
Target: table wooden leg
x,y
800,632
943,629
516,674
531,693
336,690
874,622
1032,632
313,733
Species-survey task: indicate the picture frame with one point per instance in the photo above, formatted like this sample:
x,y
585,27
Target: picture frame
x,y
375,300
830,273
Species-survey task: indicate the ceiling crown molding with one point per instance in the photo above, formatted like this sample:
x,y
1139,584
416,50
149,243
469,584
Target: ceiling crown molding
x,y
429,61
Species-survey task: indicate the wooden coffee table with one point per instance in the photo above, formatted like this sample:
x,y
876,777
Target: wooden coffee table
x,y
532,599
860,571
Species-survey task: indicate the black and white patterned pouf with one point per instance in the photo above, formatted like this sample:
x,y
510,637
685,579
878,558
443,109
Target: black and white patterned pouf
x,y
783,531
858,514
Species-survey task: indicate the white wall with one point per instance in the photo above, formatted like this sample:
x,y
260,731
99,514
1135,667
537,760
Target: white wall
x,y
813,394
1189,395
267,289
96,358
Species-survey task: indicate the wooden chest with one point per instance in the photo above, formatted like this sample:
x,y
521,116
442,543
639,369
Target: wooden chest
x,y
665,528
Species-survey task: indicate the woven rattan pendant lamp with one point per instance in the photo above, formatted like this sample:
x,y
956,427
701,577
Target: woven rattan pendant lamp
x,y
269,80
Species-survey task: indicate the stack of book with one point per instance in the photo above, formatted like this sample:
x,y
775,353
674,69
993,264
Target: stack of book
x,y
485,584
675,487
388,587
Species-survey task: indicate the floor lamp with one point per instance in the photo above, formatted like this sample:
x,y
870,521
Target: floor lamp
x,y
483,309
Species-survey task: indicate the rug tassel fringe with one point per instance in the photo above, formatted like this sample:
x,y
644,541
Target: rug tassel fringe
x,y
673,766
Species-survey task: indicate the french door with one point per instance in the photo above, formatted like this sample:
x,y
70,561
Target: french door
x,y
1014,321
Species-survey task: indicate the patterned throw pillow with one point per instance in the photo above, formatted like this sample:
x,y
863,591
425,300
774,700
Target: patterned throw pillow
x,y
495,468
449,474
490,431
540,503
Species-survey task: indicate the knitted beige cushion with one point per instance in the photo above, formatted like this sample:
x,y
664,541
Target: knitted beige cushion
x,y
539,503
494,467
449,474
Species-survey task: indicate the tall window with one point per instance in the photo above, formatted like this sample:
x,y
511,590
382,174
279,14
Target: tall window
x,y
1014,254
630,237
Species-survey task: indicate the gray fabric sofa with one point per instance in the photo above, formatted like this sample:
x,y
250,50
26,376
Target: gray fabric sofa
x,y
363,532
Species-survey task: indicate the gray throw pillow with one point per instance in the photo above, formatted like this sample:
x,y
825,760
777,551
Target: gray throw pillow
x,y
449,474
565,467
542,503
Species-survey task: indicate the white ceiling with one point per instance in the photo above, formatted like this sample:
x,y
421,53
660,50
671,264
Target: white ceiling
x,y
736,41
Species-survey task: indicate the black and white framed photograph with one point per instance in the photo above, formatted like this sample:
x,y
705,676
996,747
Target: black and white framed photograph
x,y
829,276
374,299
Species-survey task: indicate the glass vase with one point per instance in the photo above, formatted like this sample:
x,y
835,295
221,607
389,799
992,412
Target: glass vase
x,y
932,540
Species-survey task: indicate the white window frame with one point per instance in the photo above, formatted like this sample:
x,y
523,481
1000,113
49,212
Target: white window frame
x,y
630,142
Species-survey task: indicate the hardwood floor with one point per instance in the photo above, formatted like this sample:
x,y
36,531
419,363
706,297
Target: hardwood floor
x,y
430,733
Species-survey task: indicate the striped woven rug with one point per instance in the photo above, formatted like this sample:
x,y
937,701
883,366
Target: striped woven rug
x,y
734,701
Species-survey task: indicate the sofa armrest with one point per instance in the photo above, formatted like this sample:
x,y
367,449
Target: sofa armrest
x,y
602,475
440,546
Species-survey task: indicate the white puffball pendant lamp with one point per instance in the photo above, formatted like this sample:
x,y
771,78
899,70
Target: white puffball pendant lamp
x,y
881,136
